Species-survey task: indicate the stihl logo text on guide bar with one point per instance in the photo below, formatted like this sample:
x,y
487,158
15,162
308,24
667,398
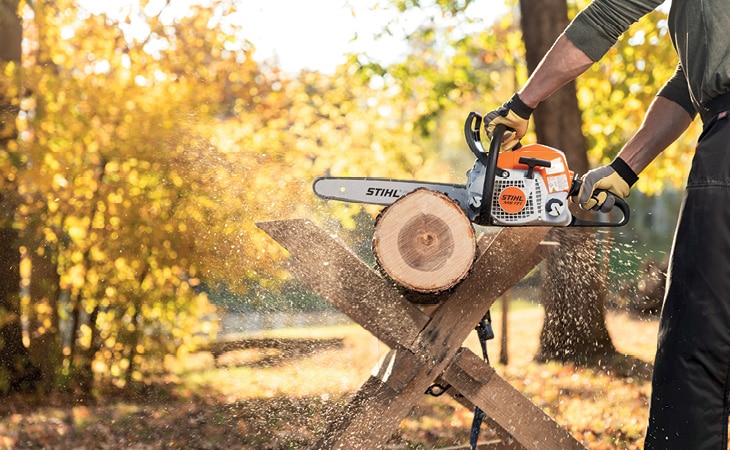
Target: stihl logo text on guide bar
x,y
382,192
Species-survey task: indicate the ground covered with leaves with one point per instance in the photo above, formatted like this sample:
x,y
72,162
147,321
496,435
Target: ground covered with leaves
x,y
279,399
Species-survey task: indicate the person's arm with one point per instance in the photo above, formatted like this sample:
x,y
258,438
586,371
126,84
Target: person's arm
x,y
667,118
664,122
586,39
563,63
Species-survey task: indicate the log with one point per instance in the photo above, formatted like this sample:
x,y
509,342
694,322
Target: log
x,y
425,242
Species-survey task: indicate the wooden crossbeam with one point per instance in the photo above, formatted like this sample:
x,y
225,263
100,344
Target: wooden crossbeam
x,y
425,348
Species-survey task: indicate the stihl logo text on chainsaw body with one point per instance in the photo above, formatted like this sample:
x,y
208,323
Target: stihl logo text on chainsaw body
x,y
512,199
382,192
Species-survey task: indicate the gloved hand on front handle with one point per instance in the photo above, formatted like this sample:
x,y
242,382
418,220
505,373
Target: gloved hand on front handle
x,y
515,115
616,178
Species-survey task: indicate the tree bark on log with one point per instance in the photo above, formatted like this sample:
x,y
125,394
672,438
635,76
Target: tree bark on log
x,y
425,242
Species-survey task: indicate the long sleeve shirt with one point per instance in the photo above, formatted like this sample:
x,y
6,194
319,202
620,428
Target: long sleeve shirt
x,y
699,33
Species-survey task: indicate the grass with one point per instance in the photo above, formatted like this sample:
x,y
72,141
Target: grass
x,y
246,401
601,409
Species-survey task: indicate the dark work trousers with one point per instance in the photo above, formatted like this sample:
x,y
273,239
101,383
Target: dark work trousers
x,y
689,401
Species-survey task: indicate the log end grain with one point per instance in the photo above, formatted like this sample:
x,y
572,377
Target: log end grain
x,y
425,242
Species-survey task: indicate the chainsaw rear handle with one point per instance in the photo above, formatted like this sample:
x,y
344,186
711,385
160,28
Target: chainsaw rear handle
x,y
619,203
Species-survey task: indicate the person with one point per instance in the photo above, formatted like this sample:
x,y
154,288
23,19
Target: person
x,y
691,379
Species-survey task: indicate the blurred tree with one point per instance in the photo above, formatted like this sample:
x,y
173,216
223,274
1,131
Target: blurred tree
x,y
448,67
144,160
574,290
16,370
121,189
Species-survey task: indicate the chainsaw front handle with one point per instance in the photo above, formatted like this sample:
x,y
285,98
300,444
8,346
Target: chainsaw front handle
x,y
487,192
488,159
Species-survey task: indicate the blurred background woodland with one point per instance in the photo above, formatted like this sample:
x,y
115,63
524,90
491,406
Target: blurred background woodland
x,y
139,147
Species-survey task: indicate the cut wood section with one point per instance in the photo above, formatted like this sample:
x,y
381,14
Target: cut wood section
x,y
425,242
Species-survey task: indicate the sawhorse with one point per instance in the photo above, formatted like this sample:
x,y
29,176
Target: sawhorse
x,y
425,349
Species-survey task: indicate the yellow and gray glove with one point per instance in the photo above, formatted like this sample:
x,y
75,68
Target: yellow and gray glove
x,y
616,178
515,115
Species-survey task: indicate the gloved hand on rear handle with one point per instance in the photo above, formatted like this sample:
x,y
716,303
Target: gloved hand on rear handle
x,y
616,178
515,115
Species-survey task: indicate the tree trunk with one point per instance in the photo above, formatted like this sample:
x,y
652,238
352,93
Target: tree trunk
x,y
558,120
573,296
425,242
83,374
137,321
45,344
573,286
82,359
11,31
16,371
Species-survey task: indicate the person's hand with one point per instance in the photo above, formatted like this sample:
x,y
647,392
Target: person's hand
x,y
616,178
515,115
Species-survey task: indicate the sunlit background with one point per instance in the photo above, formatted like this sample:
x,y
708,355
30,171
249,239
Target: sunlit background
x,y
143,140
313,35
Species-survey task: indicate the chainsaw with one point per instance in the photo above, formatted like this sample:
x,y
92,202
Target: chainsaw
x,y
529,186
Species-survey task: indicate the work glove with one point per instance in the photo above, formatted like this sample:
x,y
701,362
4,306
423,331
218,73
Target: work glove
x,y
616,178
515,115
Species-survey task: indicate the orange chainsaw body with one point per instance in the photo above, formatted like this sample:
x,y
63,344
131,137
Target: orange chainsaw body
x,y
532,187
